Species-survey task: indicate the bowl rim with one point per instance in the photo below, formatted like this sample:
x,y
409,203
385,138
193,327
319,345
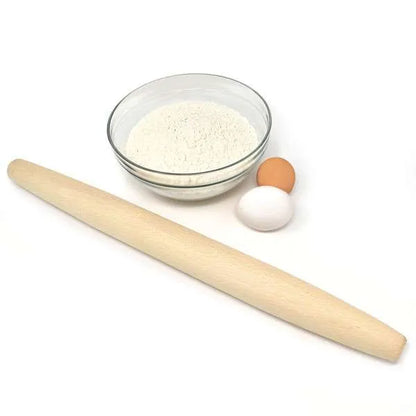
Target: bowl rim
x,y
260,144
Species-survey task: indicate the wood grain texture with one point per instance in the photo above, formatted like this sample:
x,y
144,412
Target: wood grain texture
x,y
244,277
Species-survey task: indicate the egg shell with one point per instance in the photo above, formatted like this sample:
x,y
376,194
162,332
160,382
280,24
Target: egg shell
x,y
278,172
265,208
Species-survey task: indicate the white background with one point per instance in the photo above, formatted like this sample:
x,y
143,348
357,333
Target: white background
x,y
89,326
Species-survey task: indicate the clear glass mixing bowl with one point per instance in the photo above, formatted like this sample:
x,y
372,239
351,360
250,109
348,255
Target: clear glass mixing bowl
x,y
190,87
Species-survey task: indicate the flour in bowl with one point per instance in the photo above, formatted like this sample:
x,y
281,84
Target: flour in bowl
x,y
190,136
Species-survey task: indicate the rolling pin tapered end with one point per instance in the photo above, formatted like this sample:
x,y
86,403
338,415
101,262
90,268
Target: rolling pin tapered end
x,y
17,168
11,167
397,351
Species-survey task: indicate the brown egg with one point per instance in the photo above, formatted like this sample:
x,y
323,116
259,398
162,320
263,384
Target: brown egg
x,y
276,172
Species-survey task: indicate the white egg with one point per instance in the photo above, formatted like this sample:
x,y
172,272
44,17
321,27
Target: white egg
x,y
265,208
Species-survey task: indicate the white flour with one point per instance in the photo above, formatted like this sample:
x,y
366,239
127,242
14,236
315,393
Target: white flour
x,y
190,136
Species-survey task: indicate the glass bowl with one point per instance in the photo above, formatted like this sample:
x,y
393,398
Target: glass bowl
x,y
190,87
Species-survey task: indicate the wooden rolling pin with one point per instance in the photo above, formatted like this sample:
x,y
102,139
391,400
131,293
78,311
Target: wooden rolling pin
x,y
222,267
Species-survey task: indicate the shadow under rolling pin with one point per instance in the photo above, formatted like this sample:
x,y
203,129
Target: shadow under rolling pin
x,y
244,277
